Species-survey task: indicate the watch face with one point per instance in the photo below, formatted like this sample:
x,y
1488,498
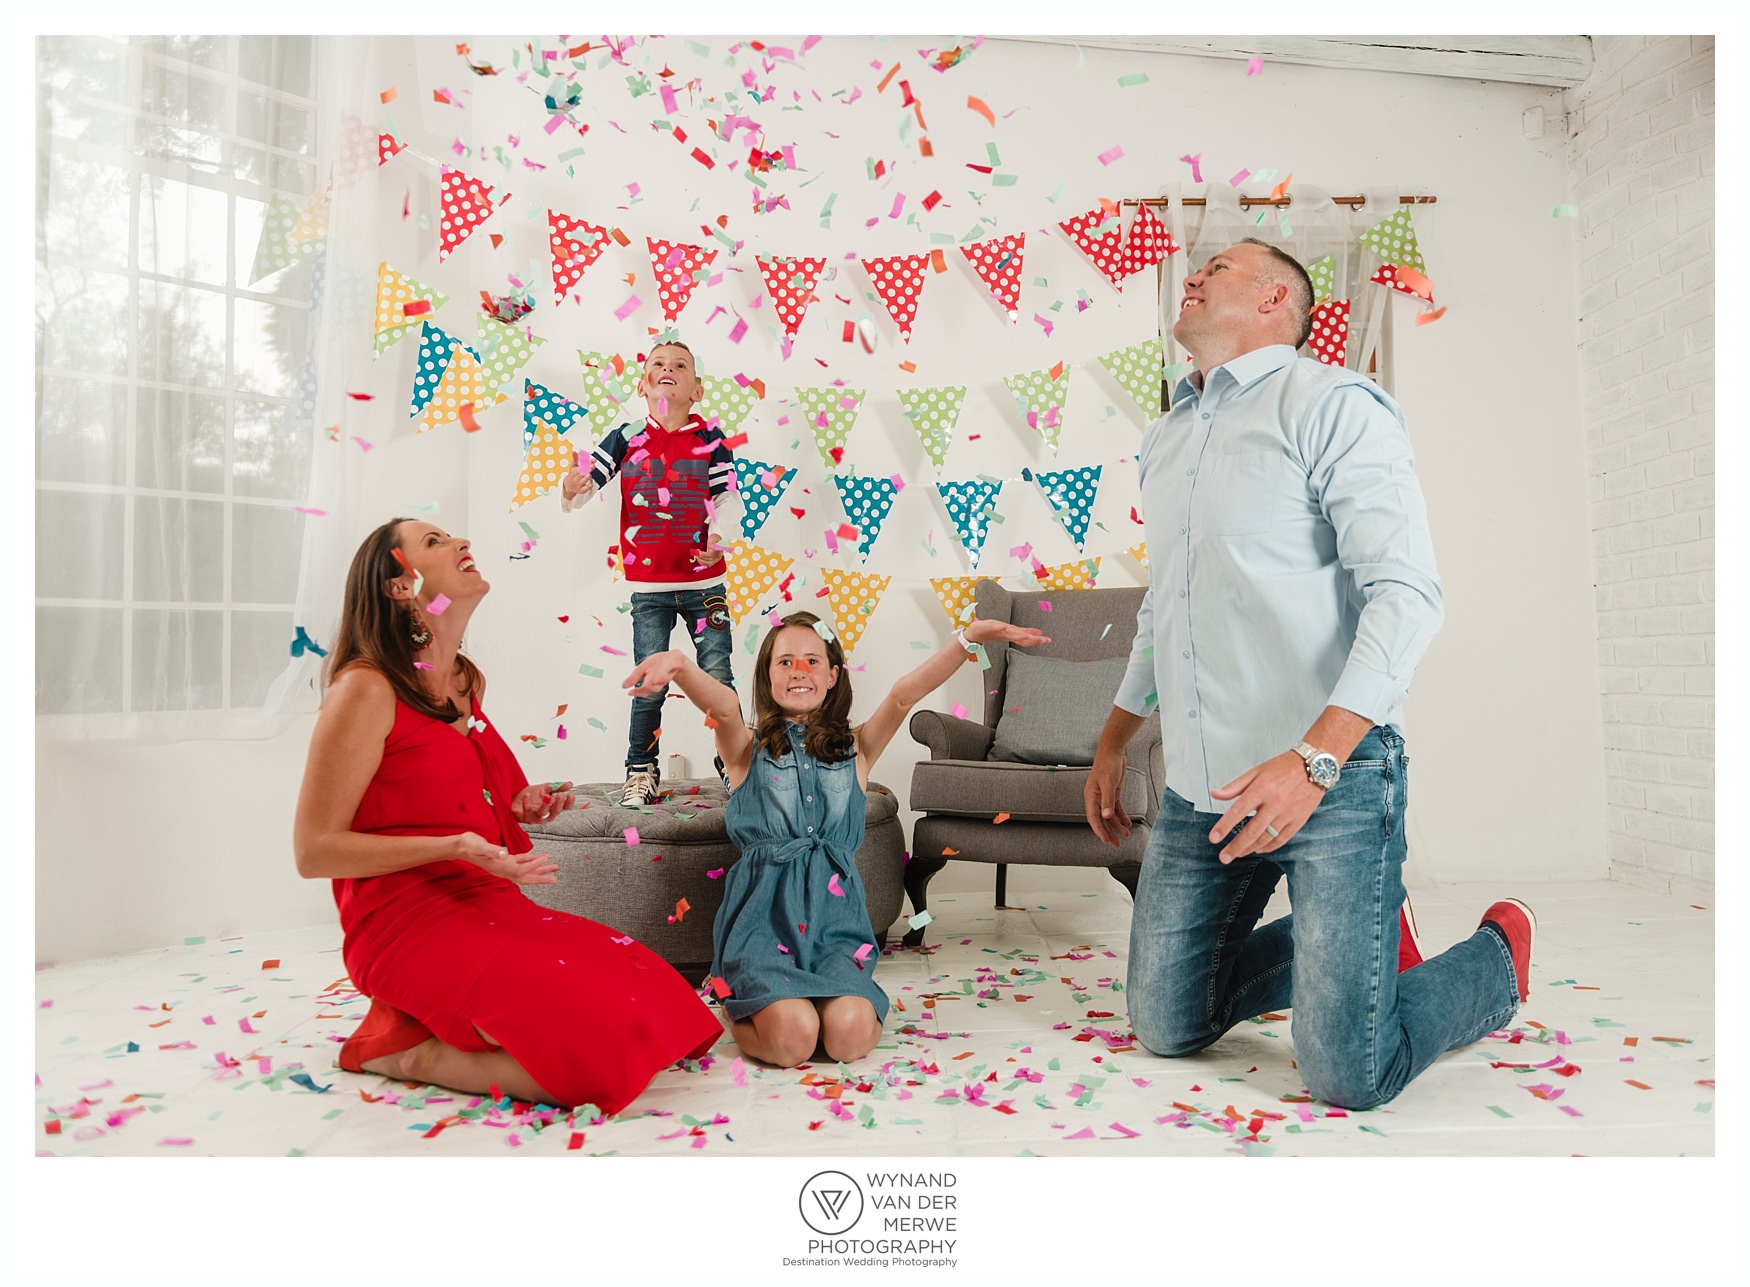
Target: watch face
x,y
1323,771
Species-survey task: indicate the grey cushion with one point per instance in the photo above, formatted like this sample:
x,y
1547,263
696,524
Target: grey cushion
x,y
1053,710
1026,792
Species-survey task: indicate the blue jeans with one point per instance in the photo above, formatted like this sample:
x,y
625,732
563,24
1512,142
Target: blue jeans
x,y
1201,963
705,614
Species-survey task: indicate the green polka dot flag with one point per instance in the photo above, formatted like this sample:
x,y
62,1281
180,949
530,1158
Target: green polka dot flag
x,y
1042,401
1138,372
1393,239
933,413
276,250
728,401
505,350
1324,278
598,371
830,414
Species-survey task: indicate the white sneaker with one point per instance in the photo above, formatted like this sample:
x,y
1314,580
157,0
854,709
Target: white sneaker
x,y
640,788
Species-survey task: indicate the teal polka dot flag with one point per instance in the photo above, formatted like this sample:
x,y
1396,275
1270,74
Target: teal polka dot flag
x,y
867,502
1393,239
728,401
542,406
830,414
504,351
435,350
760,486
1071,494
969,504
1138,372
1324,278
933,413
1042,400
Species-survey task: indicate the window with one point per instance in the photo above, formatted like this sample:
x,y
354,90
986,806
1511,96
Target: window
x,y
170,448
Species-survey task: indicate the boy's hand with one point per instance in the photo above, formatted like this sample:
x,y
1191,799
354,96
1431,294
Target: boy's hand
x,y
710,554
653,673
575,482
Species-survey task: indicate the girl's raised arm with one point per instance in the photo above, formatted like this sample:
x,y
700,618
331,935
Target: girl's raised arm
x,y
721,706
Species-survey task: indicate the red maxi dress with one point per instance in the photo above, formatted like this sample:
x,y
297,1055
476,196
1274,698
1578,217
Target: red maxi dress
x,y
592,1020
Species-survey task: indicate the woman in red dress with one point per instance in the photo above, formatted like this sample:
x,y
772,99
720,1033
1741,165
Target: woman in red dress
x,y
411,804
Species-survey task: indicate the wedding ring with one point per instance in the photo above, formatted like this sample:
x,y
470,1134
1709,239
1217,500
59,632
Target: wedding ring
x,y
1272,832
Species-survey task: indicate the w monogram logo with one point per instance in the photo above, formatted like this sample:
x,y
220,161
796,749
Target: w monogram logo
x,y
831,1203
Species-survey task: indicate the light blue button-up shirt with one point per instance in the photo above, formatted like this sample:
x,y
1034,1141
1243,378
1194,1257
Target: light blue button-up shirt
x,y
1290,566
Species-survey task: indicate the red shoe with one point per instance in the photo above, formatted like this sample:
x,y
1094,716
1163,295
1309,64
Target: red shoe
x,y
1409,946
385,1031
1514,921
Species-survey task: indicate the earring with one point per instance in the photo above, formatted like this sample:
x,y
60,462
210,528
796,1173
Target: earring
x,y
421,635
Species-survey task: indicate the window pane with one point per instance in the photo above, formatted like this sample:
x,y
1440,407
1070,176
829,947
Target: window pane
x,y
92,123
78,660
280,61
179,550
261,649
88,66
205,51
182,98
270,450
179,660
265,119
82,319
78,545
81,431
267,545
179,443
85,217
269,349
182,335
183,230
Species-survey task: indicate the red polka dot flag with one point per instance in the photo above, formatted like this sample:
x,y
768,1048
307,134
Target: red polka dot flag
x,y
387,146
1329,340
1107,250
790,283
998,262
899,280
1387,275
675,263
576,244
1149,242
465,204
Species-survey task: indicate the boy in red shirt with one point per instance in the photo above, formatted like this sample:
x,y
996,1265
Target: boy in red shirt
x,y
673,470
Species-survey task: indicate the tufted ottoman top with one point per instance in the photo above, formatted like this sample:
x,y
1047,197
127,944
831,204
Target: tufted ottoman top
x,y
685,811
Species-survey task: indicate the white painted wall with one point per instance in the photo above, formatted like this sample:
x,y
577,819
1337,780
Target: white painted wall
x,y
1505,720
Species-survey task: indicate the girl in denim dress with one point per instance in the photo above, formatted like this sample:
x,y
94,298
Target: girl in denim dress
x,y
792,940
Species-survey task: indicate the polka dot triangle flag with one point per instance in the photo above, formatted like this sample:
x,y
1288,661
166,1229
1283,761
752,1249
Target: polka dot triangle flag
x,y
505,349
830,414
867,502
463,384
1139,552
548,456
614,375
311,227
790,282
387,146
1329,340
1323,272
998,264
575,245
969,505
1099,235
1391,275
752,572
1069,576
899,281
544,409
728,401
396,294
853,598
932,413
760,487
275,250
1071,494
957,595
463,204
675,263
435,348
1042,396
1138,370
1149,242
1393,239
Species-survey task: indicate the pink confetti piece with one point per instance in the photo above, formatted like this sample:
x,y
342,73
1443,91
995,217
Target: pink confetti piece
x,y
175,1142
632,835
1239,178
958,710
627,309
423,665
1045,605
737,331
305,509
1254,66
439,605
1111,154
862,953
714,873
737,1072
618,652
1125,1131
1086,1133
244,1025
363,444
833,888
1195,161
624,940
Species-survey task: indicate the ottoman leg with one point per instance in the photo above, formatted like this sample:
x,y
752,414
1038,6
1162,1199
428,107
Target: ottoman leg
x,y
1002,884
918,874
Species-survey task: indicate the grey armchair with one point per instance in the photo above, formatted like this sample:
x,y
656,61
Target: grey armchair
x,y
960,789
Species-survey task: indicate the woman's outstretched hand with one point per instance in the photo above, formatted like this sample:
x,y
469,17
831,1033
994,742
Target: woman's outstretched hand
x,y
524,869
542,802
985,630
653,673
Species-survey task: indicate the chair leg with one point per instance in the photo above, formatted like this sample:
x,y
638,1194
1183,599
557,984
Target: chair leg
x,y
1127,876
1002,884
918,874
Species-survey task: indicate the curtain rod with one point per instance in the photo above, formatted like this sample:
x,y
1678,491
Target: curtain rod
x,y
1246,203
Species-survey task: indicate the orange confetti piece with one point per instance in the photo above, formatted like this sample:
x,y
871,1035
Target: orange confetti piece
x,y
709,722
497,240
949,853
982,108
1057,371
1639,1085
271,964
937,262
388,95
908,366
1281,189
1417,282
1001,817
887,79
466,416
1422,319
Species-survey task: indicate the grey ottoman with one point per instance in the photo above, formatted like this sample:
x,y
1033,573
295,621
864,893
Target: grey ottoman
x,y
634,887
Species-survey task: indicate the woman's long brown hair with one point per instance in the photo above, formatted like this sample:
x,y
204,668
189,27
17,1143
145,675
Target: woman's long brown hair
x,y
376,631
828,736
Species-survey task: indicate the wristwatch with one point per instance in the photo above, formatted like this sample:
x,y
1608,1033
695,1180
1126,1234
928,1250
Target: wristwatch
x,y
1322,769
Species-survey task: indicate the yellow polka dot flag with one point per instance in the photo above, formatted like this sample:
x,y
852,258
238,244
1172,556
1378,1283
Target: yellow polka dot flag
x,y
394,293
549,456
753,571
1139,552
956,595
1070,576
853,597
463,383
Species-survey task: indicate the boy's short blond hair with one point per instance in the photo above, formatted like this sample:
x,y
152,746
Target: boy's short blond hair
x,y
674,344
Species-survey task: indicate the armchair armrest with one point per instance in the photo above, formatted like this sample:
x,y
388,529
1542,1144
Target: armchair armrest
x,y
949,738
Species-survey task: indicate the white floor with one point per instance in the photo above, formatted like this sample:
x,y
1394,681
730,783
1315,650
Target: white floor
x,y
227,1048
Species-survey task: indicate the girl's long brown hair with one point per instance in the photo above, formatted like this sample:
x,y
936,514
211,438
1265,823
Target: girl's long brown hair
x,y
828,737
376,632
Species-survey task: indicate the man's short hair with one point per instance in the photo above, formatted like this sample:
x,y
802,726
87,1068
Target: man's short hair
x,y
1300,290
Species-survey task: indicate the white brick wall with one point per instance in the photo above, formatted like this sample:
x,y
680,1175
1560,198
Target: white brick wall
x,y
1641,164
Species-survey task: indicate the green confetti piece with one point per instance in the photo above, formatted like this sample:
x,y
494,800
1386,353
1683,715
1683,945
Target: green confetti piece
x,y
593,722
196,941
1135,78
1565,212
592,671
1499,1112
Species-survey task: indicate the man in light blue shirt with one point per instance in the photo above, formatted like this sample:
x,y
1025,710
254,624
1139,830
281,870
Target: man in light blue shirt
x,y
1292,590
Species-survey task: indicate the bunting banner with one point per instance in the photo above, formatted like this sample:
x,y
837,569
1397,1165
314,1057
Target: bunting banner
x,y
675,264
505,349
853,598
1139,370
387,146
1068,576
545,460
1323,272
899,282
435,348
1149,243
464,204
790,283
831,414
867,502
1329,340
463,384
310,229
1393,239
543,407
1139,552
401,304
969,505
1042,396
933,413
750,573
958,596
275,250
1071,494
760,487
1099,234
729,401
998,264
1398,277
616,376
575,245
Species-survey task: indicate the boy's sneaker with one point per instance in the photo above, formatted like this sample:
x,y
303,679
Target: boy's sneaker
x,y
1514,922
640,788
1409,944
